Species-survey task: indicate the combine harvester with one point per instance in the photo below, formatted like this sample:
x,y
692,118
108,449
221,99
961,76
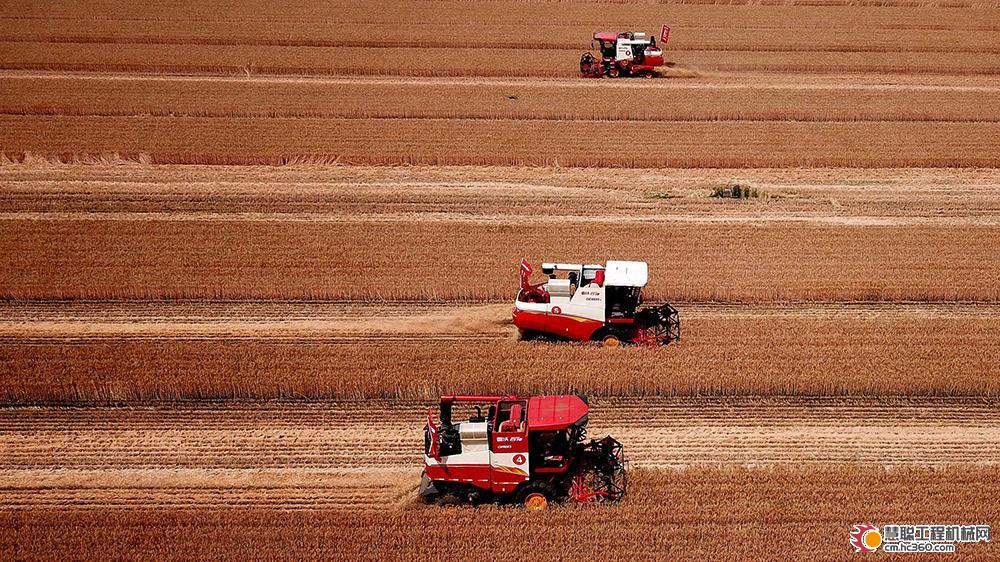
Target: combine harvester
x,y
593,303
529,450
624,53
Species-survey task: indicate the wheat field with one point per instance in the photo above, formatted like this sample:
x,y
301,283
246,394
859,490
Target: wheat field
x,y
245,246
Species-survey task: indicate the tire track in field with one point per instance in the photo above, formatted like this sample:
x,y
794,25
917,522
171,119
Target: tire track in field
x,y
366,454
736,81
43,322
527,220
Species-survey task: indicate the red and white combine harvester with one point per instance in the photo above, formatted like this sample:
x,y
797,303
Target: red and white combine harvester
x,y
529,450
624,53
593,303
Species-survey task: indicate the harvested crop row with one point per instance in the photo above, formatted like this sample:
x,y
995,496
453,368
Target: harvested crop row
x,y
43,189
435,318
90,321
521,142
454,61
556,100
126,259
717,513
726,355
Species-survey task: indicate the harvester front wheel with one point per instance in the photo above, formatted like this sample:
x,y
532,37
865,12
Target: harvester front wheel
x,y
448,500
614,72
611,340
588,66
536,502
535,497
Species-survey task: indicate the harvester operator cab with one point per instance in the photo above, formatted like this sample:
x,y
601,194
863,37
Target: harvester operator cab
x,y
624,281
510,417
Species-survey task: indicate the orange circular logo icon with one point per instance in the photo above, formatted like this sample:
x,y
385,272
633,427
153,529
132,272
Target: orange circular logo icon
x,y
865,538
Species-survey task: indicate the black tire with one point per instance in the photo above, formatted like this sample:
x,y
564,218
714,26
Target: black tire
x,y
542,337
536,488
611,340
604,334
448,500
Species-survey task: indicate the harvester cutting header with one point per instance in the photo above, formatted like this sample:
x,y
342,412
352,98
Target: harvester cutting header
x,y
624,53
591,302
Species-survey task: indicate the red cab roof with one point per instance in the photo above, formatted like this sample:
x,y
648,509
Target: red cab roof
x,y
555,412
606,36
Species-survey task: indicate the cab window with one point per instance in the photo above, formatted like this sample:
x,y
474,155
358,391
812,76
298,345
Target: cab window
x,y
511,417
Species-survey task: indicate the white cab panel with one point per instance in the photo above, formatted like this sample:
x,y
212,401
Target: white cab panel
x,y
626,274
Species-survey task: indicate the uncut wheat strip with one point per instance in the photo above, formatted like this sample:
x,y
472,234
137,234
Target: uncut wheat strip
x,y
455,61
452,13
758,35
140,259
500,21
384,141
768,356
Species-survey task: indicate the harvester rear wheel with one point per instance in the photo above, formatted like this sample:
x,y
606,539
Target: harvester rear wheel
x,y
611,340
